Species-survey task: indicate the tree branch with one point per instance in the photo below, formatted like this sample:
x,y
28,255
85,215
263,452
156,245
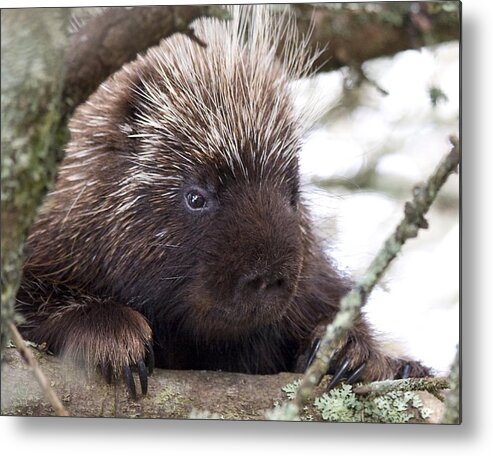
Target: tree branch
x,y
352,33
430,384
32,130
172,394
107,41
348,35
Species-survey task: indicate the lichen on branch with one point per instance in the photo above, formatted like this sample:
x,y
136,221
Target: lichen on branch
x,y
32,131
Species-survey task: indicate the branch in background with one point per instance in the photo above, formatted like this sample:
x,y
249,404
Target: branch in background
x,y
30,360
115,36
351,304
367,178
349,35
452,412
430,384
360,76
352,33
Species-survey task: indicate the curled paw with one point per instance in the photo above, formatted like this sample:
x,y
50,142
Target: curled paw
x,y
115,340
355,361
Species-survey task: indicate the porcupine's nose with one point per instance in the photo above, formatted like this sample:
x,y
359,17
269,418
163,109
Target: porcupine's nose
x,y
265,284
267,248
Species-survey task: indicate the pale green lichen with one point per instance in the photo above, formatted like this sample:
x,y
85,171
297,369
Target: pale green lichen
x,y
391,407
339,405
343,405
279,409
417,403
291,388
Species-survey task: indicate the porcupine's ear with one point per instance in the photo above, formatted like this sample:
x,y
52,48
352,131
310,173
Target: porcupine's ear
x,y
132,85
107,118
116,107
129,101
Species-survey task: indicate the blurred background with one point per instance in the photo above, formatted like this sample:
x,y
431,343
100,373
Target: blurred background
x,y
379,131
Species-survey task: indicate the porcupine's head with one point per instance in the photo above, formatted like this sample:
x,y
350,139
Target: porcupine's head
x,y
189,159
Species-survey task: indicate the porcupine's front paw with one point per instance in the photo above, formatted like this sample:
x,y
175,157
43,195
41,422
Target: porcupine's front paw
x,y
124,347
359,358
101,335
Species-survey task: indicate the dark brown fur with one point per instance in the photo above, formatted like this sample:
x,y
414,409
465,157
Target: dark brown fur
x,y
117,258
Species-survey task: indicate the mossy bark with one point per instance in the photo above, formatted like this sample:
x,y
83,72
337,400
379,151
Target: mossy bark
x,y
33,49
351,33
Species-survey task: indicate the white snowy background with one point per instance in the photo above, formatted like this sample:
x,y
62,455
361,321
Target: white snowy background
x,y
400,137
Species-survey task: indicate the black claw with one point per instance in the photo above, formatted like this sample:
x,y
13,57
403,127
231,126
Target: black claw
x,y
142,370
338,375
406,370
150,358
356,374
129,381
315,346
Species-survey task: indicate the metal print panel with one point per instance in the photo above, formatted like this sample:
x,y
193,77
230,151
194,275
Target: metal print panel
x,y
232,212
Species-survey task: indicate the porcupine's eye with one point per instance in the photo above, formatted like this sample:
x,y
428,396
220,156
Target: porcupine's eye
x,y
196,201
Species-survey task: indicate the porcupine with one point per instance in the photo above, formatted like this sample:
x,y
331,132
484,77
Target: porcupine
x,y
177,233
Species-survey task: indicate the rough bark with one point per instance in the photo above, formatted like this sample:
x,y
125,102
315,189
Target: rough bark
x,y
349,35
32,131
452,413
172,394
352,33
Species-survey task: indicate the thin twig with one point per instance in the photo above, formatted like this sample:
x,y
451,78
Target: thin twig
x,y
430,384
351,303
30,360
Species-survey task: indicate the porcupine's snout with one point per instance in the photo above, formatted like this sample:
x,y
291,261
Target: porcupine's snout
x,y
251,272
